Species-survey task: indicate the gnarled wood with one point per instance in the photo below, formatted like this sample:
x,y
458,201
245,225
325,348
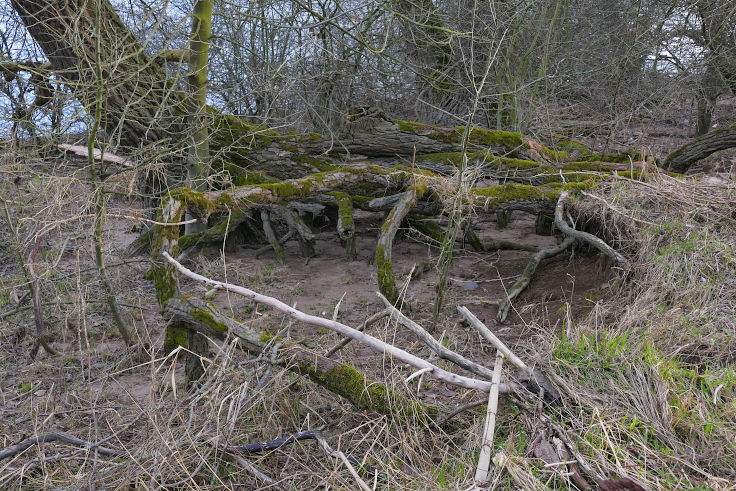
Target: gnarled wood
x,y
684,157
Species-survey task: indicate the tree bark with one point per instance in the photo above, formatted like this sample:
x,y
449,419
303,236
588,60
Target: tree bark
x,y
684,157
141,105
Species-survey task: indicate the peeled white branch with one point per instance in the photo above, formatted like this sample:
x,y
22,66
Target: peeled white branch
x,y
491,338
435,345
484,460
375,343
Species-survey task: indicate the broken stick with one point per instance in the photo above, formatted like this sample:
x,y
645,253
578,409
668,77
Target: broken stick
x,y
484,460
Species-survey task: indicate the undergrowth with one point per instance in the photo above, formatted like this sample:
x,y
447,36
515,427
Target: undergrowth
x,y
649,376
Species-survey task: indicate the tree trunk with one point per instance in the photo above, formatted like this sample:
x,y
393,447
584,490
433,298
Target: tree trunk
x,y
198,166
681,159
76,35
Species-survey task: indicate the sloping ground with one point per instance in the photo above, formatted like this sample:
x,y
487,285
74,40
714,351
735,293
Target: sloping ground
x,y
646,371
648,376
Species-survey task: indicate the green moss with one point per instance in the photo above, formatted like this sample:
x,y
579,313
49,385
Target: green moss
x,y
630,174
620,158
249,178
429,228
571,145
348,382
175,337
452,158
511,141
413,171
196,202
502,163
361,202
164,282
410,126
289,147
206,318
586,166
497,195
447,137
345,208
470,237
494,196
386,278
555,155
188,240
580,186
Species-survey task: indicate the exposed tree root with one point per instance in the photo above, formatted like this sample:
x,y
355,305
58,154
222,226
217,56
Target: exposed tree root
x,y
271,236
346,224
505,305
56,437
584,236
384,267
283,240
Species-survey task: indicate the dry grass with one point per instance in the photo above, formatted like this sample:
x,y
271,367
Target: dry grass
x,y
648,375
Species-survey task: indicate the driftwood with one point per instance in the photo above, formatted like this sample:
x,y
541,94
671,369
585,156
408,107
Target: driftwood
x,y
532,379
484,459
193,314
435,345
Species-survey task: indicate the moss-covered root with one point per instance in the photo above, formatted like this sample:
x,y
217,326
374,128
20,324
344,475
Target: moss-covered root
x,y
271,236
165,281
345,380
303,233
165,238
471,238
386,278
428,227
191,313
346,224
